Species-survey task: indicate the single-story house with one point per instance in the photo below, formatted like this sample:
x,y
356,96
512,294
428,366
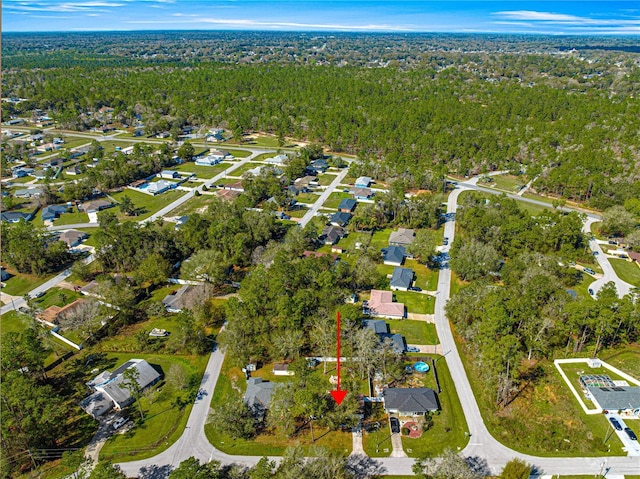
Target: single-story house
x,y
163,134
347,205
39,174
51,212
292,190
396,340
409,401
110,391
361,193
617,398
402,237
339,218
22,172
332,234
378,326
53,314
394,255
207,161
237,186
73,237
159,187
258,396
401,278
319,165
228,195
254,171
94,206
277,160
73,171
169,174
181,220
381,305
305,182
363,182
14,216
28,193
215,136
174,302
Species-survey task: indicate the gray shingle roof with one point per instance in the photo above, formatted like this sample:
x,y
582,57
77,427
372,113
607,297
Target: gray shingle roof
x,y
394,254
347,204
258,395
410,400
378,326
621,397
401,277
403,236
112,383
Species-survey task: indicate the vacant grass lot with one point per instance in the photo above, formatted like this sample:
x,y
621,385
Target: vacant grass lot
x,y
325,179
244,168
147,203
205,172
509,183
163,421
449,427
195,204
21,283
13,322
416,302
267,443
627,271
628,360
544,419
414,332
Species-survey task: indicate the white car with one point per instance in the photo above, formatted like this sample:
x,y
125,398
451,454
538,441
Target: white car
x,y
119,422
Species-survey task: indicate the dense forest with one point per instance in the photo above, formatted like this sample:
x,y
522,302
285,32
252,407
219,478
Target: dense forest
x,y
570,121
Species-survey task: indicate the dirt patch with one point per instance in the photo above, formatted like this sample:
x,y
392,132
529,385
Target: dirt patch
x,y
415,429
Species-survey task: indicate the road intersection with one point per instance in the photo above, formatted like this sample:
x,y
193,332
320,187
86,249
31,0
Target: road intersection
x,y
483,448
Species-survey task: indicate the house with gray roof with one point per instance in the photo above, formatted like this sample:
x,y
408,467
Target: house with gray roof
x,y
73,237
96,205
14,216
51,212
402,237
110,390
395,340
410,401
378,326
340,218
347,205
401,279
394,255
363,182
174,302
617,398
258,396
27,193
332,234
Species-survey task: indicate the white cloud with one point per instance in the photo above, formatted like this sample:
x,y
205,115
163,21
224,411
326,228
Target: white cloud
x,y
544,16
67,7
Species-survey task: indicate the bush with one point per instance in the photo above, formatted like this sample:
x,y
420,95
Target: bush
x,y
405,431
196,193
205,188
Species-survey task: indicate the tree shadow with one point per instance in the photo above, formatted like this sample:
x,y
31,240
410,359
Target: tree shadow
x,y
478,465
363,467
155,472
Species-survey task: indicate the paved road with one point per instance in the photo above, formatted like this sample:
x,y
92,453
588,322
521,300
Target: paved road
x,y
323,197
609,273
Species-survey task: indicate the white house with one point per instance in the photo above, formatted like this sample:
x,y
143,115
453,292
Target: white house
x,y
208,160
110,390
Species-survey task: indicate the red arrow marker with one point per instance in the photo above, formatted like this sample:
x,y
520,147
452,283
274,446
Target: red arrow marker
x,y
338,395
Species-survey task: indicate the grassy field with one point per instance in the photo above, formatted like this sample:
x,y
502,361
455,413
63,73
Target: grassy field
x,y
268,443
205,172
244,168
416,302
628,360
414,332
147,203
21,283
13,322
72,218
544,419
627,271
163,421
237,153
509,183
325,179
449,427
425,278
308,198
57,297
193,205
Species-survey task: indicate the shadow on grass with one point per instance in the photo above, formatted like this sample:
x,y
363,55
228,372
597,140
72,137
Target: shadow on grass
x,y
155,472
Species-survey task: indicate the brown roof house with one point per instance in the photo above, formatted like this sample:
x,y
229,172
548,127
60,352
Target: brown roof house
x,y
381,305
402,237
73,237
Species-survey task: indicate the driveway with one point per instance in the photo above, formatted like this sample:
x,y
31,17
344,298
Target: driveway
x,y
631,447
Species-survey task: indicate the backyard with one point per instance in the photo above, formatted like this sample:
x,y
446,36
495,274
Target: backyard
x,y
414,332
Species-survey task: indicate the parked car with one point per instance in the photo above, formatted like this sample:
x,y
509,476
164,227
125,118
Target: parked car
x,y
595,253
395,425
38,295
589,270
119,422
616,425
631,434
415,288
591,292
413,349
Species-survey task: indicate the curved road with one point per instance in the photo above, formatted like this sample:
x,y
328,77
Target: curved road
x,y
481,446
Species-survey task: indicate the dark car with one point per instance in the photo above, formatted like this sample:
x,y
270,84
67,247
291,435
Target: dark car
x,y
590,291
395,425
631,434
412,349
415,288
616,425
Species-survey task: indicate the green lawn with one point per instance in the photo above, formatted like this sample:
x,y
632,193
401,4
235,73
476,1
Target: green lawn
x,y
57,297
425,278
164,422
582,288
325,179
205,172
72,218
13,322
193,205
90,241
308,198
627,360
21,283
416,302
509,183
449,427
414,332
335,198
237,153
380,238
376,432
147,203
627,271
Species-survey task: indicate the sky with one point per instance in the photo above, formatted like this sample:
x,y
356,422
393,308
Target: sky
x,y
584,17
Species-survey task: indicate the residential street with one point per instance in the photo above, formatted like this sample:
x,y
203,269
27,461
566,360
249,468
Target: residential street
x,y
482,445
323,197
